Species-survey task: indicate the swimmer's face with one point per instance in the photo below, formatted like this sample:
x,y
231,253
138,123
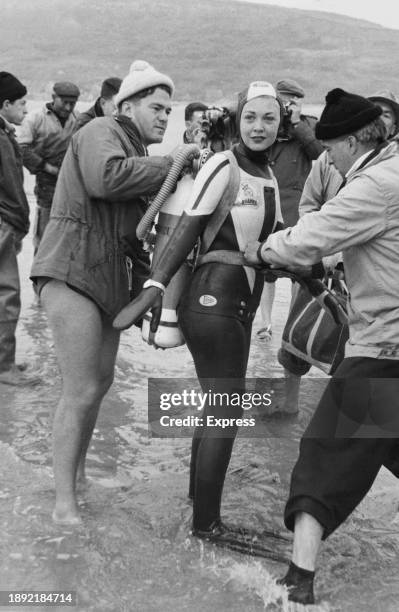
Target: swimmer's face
x,y
259,122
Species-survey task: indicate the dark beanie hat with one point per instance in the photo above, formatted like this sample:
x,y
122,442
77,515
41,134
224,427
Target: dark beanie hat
x,y
110,87
344,113
10,87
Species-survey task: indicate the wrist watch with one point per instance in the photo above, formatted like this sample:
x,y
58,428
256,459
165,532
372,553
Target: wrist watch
x,y
151,283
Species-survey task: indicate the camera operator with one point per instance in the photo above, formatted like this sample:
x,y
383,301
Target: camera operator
x,y
290,158
292,154
211,127
192,114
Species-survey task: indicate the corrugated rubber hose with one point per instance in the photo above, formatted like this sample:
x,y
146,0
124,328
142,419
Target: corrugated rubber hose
x,y
187,151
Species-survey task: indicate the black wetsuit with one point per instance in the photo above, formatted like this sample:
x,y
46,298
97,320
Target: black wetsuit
x,y
216,315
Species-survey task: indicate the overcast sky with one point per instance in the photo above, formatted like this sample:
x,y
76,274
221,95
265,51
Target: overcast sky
x,y
384,12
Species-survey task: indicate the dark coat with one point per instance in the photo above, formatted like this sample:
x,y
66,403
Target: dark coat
x,y
93,112
101,195
291,162
14,207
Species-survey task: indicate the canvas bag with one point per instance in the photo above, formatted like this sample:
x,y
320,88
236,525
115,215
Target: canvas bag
x,y
311,332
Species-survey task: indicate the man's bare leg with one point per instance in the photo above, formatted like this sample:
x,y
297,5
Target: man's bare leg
x,y
108,354
307,538
291,393
266,306
81,479
78,332
308,534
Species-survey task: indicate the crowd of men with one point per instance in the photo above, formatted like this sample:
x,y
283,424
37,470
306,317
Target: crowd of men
x,y
43,138
86,181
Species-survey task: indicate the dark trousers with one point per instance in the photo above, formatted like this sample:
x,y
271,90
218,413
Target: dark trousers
x,y
354,431
44,192
10,303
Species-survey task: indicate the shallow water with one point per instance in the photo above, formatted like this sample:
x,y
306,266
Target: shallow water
x,y
133,551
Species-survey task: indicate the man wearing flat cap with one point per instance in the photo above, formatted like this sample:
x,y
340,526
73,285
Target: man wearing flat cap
x,y
296,146
355,428
44,138
90,263
104,106
389,105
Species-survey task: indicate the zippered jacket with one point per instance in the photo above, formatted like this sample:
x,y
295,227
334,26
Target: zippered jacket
x,y
101,195
362,220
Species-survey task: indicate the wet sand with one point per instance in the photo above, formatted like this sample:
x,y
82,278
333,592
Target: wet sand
x,y
133,552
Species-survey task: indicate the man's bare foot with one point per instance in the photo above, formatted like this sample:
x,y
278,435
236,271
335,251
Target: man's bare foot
x,y
66,515
82,482
265,333
281,412
17,377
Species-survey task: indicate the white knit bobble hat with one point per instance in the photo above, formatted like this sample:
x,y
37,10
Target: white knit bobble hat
x,y
141,76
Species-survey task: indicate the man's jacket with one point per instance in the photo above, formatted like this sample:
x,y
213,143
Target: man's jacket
x,y
291,161
102,192
362,220
93,112
322,184
14,207
43,139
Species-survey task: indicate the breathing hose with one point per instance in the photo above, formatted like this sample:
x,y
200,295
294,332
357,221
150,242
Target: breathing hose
x,y
187,151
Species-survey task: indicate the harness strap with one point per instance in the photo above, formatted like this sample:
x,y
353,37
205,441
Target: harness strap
x,y
226,203
234,258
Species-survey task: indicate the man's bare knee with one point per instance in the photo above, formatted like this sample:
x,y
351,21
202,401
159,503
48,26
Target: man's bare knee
x,y
86,395
106,383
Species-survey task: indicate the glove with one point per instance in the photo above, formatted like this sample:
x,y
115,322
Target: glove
x,y
148,299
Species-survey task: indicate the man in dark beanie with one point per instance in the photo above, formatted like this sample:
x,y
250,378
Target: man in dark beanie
x,y
44,138
14,225
104,106
355,428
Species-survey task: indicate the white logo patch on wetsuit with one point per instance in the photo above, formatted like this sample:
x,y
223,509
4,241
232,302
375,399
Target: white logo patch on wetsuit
x,y
208,300
248,194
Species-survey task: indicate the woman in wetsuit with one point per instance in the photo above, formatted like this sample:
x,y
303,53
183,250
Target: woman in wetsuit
x,y
217,311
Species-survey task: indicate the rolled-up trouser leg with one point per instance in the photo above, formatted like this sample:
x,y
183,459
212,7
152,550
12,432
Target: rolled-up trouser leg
x,y
295,365
10,302
335,469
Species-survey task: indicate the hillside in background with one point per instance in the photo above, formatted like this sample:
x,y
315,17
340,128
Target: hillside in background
x,y
210,48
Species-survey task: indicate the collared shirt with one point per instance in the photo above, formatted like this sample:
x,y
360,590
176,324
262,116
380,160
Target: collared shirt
x,y
43,138
357,164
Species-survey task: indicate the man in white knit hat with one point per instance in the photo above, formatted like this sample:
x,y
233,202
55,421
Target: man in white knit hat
x,y
81,269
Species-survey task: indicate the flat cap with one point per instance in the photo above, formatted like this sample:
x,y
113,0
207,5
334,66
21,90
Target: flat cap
x,y
388,98
66,88
289,86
